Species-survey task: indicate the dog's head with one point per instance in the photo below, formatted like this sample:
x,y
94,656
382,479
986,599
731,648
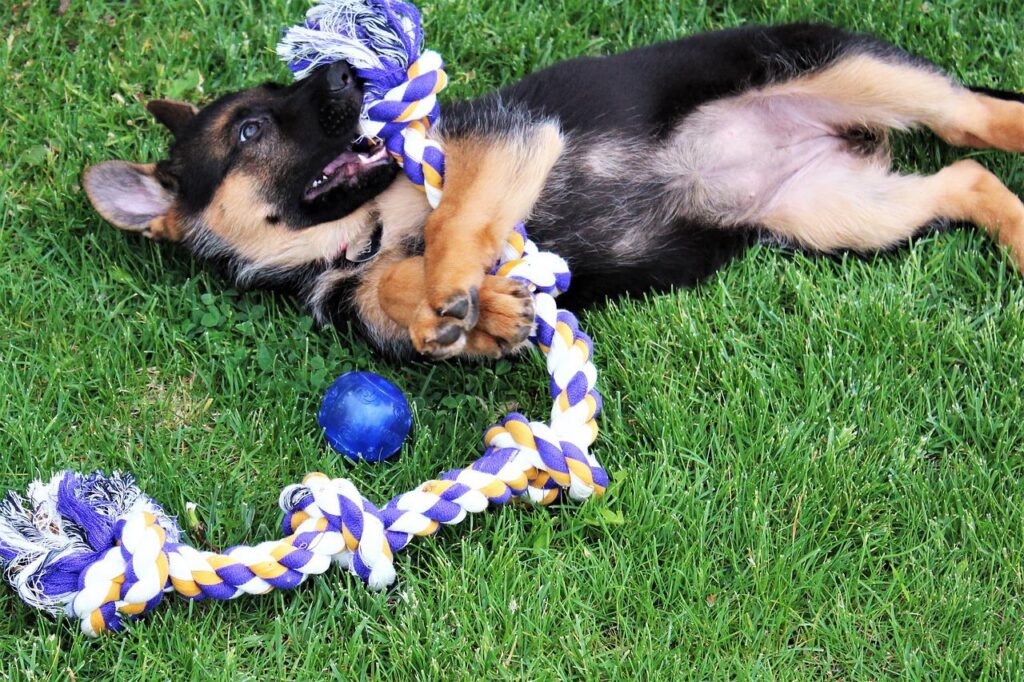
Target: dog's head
x,y
264,183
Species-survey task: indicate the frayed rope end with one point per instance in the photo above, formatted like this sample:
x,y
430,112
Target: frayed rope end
x,y
380,39
49,537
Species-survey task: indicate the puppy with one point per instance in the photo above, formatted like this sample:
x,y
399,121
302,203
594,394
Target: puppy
x,y
646,170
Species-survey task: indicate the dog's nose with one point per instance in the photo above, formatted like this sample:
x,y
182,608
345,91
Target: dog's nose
x,y
339,78
339,99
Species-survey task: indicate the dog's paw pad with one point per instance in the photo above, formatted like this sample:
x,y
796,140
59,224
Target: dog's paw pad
x,y
442,339
446,335
464,306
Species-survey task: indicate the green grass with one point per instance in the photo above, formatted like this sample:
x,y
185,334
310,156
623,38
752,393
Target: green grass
x,y
816,461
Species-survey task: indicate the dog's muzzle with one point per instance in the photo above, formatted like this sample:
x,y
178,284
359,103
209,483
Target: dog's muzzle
x,y
341,100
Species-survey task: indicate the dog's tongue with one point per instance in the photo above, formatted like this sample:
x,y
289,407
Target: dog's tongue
x,y
344,169
342,159
351,161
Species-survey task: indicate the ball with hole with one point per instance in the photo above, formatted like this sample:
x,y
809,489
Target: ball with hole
x,y
365,417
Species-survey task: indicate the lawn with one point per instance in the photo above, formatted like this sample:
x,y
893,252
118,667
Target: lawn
x,y
815,461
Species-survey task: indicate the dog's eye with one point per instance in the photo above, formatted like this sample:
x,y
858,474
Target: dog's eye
x,y
248,131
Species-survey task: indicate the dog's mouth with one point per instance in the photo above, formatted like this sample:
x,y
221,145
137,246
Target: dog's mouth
x,y
346,169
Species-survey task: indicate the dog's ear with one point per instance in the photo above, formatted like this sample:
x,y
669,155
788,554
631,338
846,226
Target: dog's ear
x,y
174,114
129,196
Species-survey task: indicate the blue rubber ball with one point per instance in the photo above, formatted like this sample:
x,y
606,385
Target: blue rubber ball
x,y
365,417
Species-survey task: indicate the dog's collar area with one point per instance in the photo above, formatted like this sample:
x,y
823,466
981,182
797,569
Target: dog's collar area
x,y
368,250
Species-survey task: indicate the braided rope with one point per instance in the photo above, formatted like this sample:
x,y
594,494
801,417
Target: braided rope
x,y
123,573
402,118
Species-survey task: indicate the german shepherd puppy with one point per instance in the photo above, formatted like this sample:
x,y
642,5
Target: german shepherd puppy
x,y
645,170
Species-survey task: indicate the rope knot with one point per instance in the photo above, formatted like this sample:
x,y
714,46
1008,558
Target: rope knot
x,y
331,511
551,463
126,580
92,546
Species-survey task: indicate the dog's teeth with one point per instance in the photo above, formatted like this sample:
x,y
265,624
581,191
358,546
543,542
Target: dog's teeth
x,y
319,181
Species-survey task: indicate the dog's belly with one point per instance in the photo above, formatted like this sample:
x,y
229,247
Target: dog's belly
x,y
738,159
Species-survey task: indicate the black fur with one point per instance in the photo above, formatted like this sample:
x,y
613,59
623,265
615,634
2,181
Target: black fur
x,y
1008,95
617,217
638,97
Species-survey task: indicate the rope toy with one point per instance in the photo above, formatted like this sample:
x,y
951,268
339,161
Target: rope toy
x,y
97,548
382,41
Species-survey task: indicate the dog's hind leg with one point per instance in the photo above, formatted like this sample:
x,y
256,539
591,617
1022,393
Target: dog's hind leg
x,y
866,208
851,203
806,159
898,92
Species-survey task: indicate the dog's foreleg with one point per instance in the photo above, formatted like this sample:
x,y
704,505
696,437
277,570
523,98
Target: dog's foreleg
x,y
491,183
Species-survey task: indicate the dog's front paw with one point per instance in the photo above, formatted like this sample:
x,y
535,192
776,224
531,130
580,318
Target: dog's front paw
x,y
493,322
441,329
506,318
454,291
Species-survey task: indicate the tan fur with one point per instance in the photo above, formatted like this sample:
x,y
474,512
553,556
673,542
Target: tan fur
x,y
166,227
872,209
968,191
900,96
506,313
503,310
890,94
216,132
399,288
489,188
388,293
403,209
237,217
985,122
